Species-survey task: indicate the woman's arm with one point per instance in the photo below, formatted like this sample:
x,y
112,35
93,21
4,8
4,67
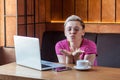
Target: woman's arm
x,y
90,57
66,57
61,58
76,54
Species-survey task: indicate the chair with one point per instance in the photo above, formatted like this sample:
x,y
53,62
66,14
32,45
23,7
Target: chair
x,y
108,50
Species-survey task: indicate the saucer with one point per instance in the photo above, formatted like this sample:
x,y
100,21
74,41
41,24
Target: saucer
x,y
82,68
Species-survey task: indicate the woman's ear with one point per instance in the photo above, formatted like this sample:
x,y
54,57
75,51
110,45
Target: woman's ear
x,y
65,33
83,33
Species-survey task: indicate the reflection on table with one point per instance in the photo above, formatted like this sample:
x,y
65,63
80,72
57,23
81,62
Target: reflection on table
x,y
12,71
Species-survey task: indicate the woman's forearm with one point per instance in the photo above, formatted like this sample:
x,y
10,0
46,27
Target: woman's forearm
x,y
91,58
69,59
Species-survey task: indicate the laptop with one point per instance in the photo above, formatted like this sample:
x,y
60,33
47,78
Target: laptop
x,y
27,52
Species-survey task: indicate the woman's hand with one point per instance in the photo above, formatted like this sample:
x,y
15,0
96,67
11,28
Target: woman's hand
x,y
77,52
65,52
68,56
71,56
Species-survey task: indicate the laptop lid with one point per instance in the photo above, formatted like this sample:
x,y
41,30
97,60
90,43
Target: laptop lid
x,y
27,51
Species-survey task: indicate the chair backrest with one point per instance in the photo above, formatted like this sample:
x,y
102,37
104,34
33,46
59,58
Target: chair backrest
x,y
50,38
108,50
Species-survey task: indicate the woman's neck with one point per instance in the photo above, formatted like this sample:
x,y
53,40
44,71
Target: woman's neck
x,y
75,44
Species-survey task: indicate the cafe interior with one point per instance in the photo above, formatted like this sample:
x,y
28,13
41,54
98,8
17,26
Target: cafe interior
x,y
44,19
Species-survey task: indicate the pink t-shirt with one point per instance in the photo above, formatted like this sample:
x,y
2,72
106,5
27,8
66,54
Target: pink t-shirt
x,y
88,46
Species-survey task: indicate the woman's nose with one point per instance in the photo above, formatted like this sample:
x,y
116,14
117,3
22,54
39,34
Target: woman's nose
x,y
72,30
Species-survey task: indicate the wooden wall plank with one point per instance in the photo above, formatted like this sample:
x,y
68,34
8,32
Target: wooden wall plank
x,y
54,26
11,21
94,10
81,9
22,30
41,10
68,8
109,28
36,11
92,28
108,10
56,9
30,7
30,19
21,20
48,10
10,30
20,12
40,29
11,7
20,7
117,10
1,22
30,30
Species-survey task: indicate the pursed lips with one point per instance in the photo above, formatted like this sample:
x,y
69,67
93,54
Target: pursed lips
x,y
72,36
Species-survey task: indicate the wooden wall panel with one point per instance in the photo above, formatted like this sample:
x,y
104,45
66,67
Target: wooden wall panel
x,y
81,9
54,27
48,10
1,22
10,30
68,8
30,19
10,7
20,7
109,28
21,20
41,10
11,21
108,10
36,11
22,30
30,7
118,11
94,10
40,28
56,9
92,28
30,30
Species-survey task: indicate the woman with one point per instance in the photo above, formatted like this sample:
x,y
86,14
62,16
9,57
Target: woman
x,y
75,46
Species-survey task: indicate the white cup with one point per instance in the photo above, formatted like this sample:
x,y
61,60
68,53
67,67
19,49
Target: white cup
x,y
83,63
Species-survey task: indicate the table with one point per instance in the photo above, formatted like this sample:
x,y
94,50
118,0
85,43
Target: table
x,y
12,71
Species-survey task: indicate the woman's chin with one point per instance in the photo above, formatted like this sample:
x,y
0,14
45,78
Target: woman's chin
x,y
72,40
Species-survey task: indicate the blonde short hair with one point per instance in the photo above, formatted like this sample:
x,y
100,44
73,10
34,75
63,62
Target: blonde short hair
x,y
75,18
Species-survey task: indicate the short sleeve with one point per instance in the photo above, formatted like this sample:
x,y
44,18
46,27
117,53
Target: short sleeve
x,y
57,48
61,45
91,48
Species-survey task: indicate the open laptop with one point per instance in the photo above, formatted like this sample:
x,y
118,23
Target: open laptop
x,y
27,51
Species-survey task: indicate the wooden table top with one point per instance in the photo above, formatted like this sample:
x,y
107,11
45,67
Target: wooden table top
x,y
11,70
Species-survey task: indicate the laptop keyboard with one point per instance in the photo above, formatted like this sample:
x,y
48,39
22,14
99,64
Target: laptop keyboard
x,y
51,64
43,66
